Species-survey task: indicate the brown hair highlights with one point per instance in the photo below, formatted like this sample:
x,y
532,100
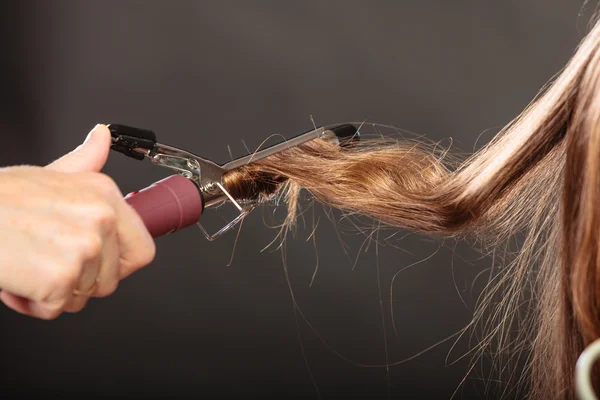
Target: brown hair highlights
x,y
539,177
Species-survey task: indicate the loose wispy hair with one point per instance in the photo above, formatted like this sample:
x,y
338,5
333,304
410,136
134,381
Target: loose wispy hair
x,y
538,178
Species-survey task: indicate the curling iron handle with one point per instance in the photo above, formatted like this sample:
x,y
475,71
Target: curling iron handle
x,y
168,206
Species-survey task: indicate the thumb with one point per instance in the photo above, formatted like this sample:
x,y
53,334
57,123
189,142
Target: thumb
x,y
89,156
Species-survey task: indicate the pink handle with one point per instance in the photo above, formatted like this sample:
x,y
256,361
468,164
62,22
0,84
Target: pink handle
x,y
168,206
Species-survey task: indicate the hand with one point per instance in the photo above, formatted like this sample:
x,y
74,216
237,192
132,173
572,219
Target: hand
x,y
67,233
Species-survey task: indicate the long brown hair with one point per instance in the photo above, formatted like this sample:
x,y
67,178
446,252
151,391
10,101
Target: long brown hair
x,y
539,178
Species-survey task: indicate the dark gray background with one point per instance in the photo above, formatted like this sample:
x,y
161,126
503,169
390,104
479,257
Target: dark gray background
x,y
207,75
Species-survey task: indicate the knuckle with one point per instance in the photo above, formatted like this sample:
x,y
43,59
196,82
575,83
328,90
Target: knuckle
x,y
89,247
49,311
60,278
102,216
104,184
107,289
75,307
149,253
145,254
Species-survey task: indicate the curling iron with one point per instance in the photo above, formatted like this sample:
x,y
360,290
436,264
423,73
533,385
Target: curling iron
x,y
178,201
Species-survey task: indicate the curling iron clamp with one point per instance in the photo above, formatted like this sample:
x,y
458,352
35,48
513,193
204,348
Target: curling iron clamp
x,y
178,201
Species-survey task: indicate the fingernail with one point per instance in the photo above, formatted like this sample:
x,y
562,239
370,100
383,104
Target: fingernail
x,y
91,134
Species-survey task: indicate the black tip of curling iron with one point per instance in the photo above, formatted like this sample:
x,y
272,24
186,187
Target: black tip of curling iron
x,y
127,138
346,134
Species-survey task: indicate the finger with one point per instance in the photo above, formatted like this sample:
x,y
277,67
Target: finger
x,y
86,287
108,275
90,156
31,308
101,281
38,274
16,303
136,245
88,279
76,303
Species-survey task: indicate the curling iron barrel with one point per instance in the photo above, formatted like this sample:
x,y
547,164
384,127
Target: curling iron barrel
x,y
169,205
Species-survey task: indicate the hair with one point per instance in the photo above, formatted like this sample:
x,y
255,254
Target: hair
x,y
537,179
